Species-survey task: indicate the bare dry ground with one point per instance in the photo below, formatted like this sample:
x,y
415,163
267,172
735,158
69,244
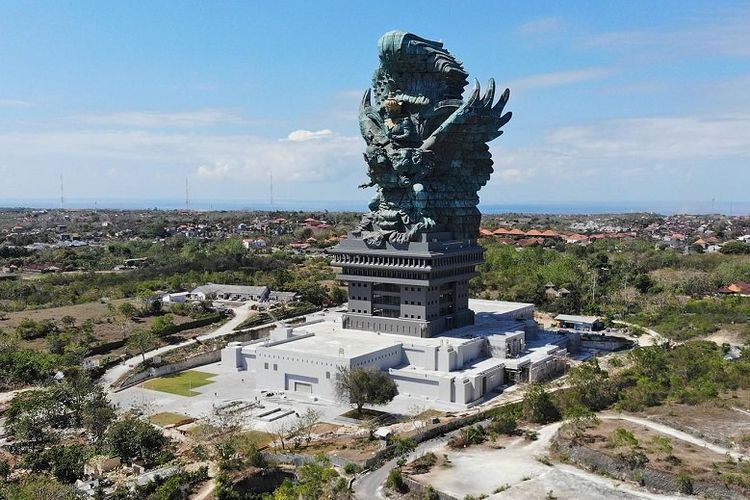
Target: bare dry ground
x,y
684,458
105,328
724,424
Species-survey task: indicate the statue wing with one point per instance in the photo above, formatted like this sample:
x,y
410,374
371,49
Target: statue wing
x,y
370,122
477,121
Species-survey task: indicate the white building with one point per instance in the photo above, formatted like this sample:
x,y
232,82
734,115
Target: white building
x,y
237,293
460,366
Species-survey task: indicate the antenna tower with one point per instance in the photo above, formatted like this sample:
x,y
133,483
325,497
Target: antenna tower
x,y
271,189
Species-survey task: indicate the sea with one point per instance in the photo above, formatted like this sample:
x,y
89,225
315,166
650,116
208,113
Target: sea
x,y
567,208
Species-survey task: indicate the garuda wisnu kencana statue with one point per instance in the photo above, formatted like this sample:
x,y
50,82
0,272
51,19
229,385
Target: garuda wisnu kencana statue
x,y
427,148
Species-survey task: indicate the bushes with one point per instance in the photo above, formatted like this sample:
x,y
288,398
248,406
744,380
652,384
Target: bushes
x,y
538,406
29,329
396,482
468,436
504,423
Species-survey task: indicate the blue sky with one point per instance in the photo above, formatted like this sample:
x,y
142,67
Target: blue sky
x,y
635,101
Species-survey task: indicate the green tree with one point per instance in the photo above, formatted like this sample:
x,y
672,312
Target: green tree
x,y
591,386
538,406
132,439
315,480
735,247
39,487
142,341
128,310
162,325
64,462
363,386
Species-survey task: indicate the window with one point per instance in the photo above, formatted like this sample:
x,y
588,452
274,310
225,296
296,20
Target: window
x,y
275,367
265,366
328,375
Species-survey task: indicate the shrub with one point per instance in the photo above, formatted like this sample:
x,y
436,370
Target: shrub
x,y
684,484
351,468
424,463
504,423
622,437
538,406
395,481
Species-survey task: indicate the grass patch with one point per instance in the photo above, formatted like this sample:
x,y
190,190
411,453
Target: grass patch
x,y
258,438
181,383
168,418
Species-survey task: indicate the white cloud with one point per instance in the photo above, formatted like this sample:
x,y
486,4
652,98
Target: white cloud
x,y
330,157
15,103
659,138
309,135
199,118
560,78
720,32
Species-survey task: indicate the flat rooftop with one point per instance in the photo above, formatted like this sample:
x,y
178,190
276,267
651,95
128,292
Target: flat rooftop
x,y
492,318
331,340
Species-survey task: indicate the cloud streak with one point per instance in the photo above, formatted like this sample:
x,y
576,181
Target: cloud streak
x,y
560,78
153,119
15,103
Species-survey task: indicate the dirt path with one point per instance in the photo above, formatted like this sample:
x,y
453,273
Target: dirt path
x,y
241,313
671,431
657,337
205,492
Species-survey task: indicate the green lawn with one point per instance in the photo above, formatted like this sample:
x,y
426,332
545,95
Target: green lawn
x,y
181,383
167,418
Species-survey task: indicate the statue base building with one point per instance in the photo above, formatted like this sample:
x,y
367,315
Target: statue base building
x,y
454,369
419,288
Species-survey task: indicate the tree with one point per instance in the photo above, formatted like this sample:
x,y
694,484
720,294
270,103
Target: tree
x,y
735,247
142,341
505,423
128,310
315,480
538,406
64,462
131,439
162,325
39,487
306,422
591,386
361,386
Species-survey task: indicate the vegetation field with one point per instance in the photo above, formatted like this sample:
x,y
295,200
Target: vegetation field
x,y
168,418
181,384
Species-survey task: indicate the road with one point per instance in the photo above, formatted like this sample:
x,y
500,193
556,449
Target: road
x,y
241,313
370,485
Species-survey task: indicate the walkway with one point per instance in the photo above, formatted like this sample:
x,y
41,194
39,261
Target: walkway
x,y
241,313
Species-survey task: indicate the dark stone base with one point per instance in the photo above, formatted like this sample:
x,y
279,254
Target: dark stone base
x,y
420,289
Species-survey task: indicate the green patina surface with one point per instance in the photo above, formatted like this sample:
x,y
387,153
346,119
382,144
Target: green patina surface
x,y
427,151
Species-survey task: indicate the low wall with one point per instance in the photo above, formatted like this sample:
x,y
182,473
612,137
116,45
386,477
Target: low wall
x,y
199,360
300,459
417,487
606,343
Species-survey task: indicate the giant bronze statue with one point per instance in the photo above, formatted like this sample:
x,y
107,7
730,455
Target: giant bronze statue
x,y
427,148
408,264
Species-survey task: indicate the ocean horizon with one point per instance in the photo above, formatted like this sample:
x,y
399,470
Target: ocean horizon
x,y
562,208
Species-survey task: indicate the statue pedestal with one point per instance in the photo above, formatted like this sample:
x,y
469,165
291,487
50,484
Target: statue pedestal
x,y
419,288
